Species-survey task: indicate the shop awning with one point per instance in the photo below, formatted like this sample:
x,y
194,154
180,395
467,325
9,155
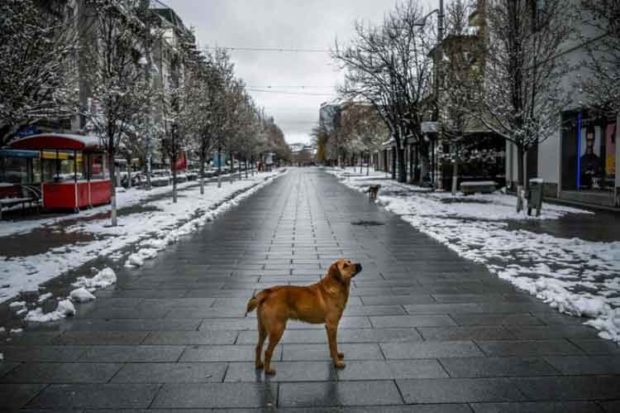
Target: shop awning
x,y
59,142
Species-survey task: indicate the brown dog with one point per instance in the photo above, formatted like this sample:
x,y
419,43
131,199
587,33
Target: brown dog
x,y
373,190
319,303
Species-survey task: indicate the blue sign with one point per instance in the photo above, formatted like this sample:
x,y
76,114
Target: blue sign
x,y
221,162
27,131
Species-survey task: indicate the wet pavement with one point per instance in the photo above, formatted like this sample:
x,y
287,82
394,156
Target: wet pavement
x,y
424,330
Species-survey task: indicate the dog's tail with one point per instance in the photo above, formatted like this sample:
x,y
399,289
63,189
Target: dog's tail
x,y
256,300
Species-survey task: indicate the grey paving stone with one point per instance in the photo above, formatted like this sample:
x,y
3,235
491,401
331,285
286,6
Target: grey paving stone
x,y
286,371
596,346
223,353
216,395
425,350
375,335
14,396
170,373
344,393
391,369
109,354
570,388
62,373
458,390
107,396
529,348
42,353
398,299
353,351
538,407
191,337
495,319
6,366
375,310
552,331
411,321
135,325
466,333
100,337
579,365
497,367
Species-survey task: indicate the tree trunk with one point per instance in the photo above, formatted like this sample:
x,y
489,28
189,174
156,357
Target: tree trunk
x,y
114,221
252,164
246,167
455,175
455,169
424,166
232,168
402,166
173,162
393,163
521,181
129,172
219,167
368,164
203,157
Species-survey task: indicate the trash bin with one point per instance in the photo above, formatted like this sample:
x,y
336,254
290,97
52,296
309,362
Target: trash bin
x,y
535,196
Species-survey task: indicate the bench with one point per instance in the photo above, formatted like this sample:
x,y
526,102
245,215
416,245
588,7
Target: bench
x,y
18,195
483,187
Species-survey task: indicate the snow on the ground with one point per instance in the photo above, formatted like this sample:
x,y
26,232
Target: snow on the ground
x,y
124,198
162,224
64,309
578,277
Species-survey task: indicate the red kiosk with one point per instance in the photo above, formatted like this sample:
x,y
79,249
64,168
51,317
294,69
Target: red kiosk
x,y
72,170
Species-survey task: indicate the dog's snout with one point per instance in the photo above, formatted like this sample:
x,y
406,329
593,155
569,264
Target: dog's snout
x,y
358,267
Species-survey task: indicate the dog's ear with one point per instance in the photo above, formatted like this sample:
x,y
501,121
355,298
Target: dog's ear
x,y
334,271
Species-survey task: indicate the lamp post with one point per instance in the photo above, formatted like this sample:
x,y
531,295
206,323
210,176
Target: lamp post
x,y
436,85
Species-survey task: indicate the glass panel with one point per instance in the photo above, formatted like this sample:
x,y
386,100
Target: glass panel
x,y
14,170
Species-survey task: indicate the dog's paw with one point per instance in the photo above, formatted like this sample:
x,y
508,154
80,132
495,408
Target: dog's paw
x,y
259,365
270,372
339,364
340,356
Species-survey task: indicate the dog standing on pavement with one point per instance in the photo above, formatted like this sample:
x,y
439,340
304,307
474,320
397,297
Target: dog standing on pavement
x,y
373,191
319,303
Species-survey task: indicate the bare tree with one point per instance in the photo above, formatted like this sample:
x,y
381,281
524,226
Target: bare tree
x,y
522,97
37,71
602,88
462,54
388,66
111,72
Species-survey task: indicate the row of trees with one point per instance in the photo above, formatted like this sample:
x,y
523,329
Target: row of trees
x,y
507,76
105,65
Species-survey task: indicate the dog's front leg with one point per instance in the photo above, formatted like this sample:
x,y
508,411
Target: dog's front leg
x,y
332,332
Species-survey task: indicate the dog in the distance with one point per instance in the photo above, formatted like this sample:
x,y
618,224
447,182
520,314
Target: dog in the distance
x,y
372,191
320,303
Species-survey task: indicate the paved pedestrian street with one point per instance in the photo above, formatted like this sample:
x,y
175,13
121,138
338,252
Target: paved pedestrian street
x,y
424,330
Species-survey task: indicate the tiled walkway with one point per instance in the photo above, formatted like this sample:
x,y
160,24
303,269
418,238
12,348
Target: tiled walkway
x,y
423,327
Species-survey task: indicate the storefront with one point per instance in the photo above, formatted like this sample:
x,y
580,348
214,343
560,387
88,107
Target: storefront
x,y
589,157
71,170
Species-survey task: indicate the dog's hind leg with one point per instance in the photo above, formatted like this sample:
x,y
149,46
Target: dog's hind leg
x,y
275,334
262,335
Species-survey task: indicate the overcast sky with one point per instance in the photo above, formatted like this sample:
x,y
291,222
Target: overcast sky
x,y
294,84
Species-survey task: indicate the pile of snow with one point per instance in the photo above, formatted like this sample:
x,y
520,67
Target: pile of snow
x,y
103,279
137,259
577,277
81,295
64,309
